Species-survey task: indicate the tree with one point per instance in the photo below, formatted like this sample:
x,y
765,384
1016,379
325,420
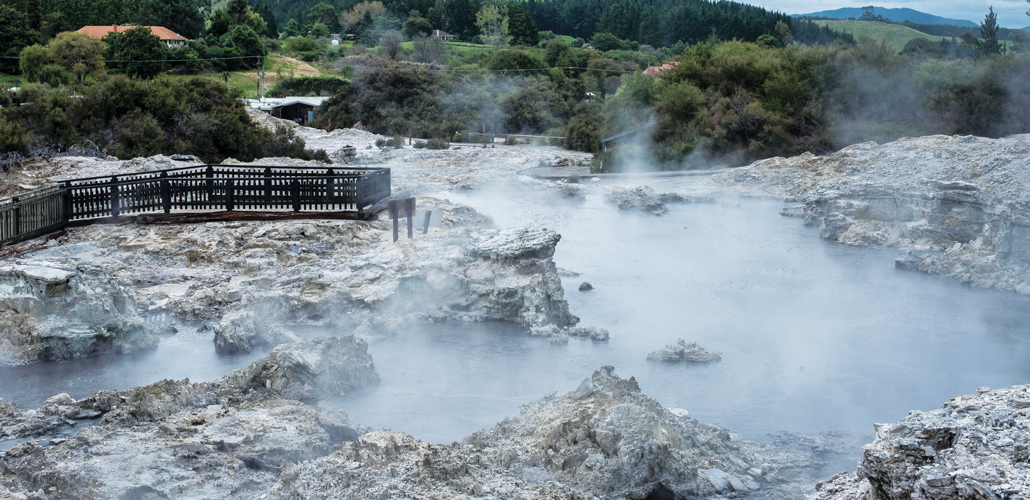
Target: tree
x,y
868,14
783,33
391,43
80,54
15,35
493,25
427,49
237,10
989,44
185,17
292,28
140,48
33,58
461,18
416,27
323,13
32,11
246,41
605,42
271,26
521,27
319,30
351,18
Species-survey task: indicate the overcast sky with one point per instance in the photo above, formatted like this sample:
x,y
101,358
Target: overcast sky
x,y
1011,13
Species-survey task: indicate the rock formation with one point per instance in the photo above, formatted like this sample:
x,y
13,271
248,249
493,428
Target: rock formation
x,y
972,448
54,312
957,206
603,440
681,351
221,439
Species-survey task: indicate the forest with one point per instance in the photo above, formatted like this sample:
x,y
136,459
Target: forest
x,y
734,85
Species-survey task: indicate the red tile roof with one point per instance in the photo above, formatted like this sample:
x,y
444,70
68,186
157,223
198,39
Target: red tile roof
x,y
102,31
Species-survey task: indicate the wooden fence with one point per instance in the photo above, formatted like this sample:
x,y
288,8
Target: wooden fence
x,y
204,188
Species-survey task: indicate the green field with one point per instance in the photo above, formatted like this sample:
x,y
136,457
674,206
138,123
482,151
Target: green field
x,y
895,35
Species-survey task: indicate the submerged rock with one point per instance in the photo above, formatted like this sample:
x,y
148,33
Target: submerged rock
x,y
54,312
681,351
973,447
585,286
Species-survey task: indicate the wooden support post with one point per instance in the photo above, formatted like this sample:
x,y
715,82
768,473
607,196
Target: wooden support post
x,y
229,188
393,215
295,190
166,193
16,216
210,186
68,202
425,223
115,201
409,206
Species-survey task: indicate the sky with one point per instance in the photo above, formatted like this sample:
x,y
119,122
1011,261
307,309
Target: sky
x,y
1011,13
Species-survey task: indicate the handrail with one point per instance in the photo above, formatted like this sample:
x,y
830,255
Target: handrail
x,y
201,188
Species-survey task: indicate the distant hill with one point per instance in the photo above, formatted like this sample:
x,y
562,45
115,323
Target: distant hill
x,y
895,35
896,15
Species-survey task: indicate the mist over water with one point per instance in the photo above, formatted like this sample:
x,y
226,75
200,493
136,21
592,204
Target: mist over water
x,y
814,336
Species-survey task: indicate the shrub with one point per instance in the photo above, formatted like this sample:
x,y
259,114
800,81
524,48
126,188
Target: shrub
x,y
319,155
420,144
510,140
396,142
437,144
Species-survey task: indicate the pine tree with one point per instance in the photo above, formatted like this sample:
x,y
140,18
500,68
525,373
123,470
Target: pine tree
x,y
989,44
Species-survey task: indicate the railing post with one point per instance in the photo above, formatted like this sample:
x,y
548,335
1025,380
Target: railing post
x,y
330,186
210,185
295,191
166,193
268,185
115,202
16,215
229,188
69,205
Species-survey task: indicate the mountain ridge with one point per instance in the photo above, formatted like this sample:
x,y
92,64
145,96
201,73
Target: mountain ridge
x,y
896,15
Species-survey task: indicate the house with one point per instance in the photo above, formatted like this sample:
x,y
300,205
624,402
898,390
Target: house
x,y
442,35
298,109
655,70
171,38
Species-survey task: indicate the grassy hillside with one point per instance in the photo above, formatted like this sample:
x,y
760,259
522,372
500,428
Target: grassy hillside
x,y
895,34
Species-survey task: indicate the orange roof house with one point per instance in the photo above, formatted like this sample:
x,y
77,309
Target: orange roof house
x,y
173,39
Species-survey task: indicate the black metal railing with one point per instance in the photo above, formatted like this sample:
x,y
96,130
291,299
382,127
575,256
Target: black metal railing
x,y
204,188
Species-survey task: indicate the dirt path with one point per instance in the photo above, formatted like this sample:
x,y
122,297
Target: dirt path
x,y
286,67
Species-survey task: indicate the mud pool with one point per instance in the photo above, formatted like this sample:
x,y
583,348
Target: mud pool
x,y
814,336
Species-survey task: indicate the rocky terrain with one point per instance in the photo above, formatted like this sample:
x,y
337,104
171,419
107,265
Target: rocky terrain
x,y
955,206
178,439
682,351
974,447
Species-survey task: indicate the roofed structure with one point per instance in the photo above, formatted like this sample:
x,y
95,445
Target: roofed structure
x,y
171,38
443,35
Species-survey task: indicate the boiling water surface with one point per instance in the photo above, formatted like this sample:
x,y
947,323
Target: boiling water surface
x,y
814,336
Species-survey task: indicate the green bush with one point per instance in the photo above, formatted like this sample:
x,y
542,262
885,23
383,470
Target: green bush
x,y
310,85
396,142
437,144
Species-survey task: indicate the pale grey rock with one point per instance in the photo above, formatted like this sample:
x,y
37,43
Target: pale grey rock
x,y
604,440
681,351
53,312
175,439
641,198
244,331
592,332
957,205
974,447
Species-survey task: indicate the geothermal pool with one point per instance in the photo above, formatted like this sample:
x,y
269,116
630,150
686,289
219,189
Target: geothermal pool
x,y
814,336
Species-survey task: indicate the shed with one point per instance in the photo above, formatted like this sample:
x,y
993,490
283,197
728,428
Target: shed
x,y
297,109
443,35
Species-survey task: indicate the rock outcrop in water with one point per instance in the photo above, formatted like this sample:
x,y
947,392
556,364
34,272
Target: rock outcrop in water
x,y
176,439
972,448
957,206
681,351
51,312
